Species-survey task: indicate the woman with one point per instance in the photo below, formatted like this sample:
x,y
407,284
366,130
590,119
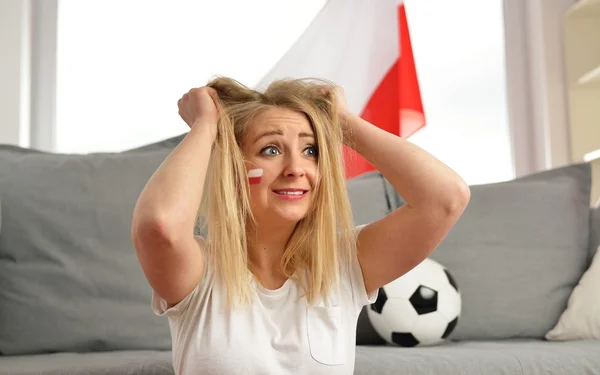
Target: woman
x,y
277,284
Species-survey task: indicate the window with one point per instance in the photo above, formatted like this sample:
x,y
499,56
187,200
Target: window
x,y
122,65
459,49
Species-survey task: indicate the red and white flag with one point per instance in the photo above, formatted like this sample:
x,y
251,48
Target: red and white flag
x,y
363,46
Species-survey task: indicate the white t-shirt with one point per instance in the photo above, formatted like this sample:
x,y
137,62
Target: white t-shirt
x,y
279,334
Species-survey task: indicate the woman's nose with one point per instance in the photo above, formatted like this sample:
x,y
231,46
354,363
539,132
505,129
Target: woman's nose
x,y
294,167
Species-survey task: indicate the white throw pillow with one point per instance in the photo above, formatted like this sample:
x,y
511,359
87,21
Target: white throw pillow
x,y
581,319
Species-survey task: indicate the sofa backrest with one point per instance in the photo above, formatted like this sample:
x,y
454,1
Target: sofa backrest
x,y
59,210
69,276
518,251
369,197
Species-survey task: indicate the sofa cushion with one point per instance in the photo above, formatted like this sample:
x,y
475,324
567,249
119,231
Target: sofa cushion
x,y
368,197
581,319
106,363
594,230
69,276
518,251
510,357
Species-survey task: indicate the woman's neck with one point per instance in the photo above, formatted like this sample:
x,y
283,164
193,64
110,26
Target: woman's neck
x,y
266,247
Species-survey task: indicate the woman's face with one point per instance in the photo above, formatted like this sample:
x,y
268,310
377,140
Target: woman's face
x,y
281,160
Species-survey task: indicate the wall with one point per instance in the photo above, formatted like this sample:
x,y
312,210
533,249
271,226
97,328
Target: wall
x,y
14,72
536,83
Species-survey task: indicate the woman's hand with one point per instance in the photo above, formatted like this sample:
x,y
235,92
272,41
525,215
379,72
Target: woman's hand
x,y
197,108
339,98
337,95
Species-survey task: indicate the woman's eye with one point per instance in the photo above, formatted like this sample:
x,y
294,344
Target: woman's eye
x,y
311,151
270,151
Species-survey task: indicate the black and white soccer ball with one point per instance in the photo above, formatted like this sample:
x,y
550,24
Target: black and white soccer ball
x,y
421,308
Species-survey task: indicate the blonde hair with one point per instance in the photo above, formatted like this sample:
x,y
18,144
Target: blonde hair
x,y
324,240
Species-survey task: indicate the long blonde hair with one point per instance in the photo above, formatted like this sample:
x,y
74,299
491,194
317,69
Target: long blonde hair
x,y
323,241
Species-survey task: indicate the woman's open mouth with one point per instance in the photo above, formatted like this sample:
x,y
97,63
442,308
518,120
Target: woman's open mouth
x,y
291,194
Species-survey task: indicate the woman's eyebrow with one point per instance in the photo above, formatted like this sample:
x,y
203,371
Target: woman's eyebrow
x,y
279,132
268,133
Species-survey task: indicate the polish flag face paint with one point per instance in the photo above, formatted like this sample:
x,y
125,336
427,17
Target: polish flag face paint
x,y
254,176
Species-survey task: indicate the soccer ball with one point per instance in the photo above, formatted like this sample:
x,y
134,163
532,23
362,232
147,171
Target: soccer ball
x,y
420,308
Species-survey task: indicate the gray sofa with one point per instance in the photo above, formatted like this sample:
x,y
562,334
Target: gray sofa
x,y
73,299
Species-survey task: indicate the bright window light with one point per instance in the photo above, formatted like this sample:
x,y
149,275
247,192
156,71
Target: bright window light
x,y
122,66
